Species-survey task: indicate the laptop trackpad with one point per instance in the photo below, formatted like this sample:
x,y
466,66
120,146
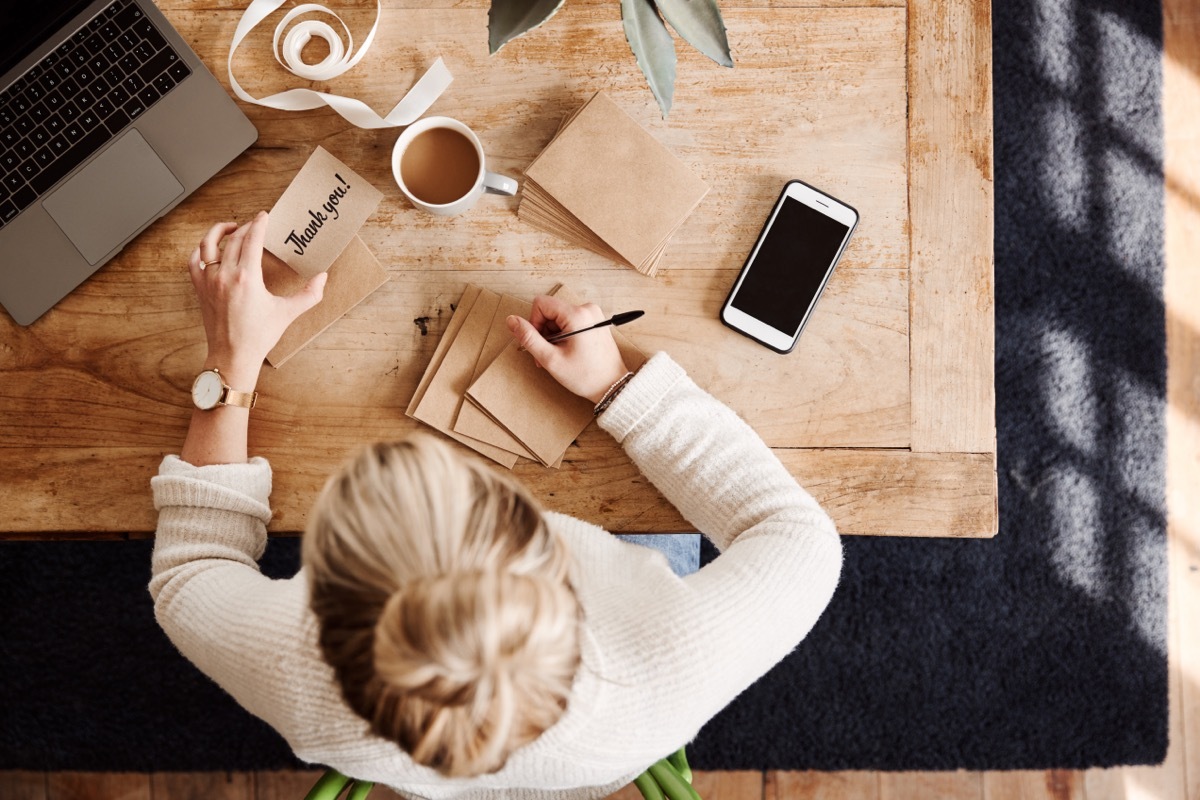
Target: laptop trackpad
x,y
113,197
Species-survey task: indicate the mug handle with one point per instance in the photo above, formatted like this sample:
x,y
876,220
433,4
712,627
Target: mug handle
x,y
499,184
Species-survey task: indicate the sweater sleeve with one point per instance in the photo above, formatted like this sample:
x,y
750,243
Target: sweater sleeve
x,y
702,640
703,458
235,624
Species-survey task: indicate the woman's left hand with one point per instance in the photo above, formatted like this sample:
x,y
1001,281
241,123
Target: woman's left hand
x,y
242,319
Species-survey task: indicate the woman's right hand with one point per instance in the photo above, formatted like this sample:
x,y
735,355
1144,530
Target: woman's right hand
x,y
243,320
587,364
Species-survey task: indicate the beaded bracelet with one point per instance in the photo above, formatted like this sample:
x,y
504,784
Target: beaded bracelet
x,y
612,393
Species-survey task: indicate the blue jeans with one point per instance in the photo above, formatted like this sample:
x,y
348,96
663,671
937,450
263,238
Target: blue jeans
x,y
681,549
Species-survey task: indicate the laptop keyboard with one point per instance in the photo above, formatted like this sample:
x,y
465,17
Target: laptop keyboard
x,y
78,97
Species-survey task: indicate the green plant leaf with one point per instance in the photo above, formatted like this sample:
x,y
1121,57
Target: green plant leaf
x,y
653,48
508,19
699,23
679,761
671,782
649,788
328,786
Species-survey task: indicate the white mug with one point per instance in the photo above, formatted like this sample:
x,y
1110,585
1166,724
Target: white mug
x,y
484,182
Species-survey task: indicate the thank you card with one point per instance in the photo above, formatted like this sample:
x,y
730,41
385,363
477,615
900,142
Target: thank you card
x,y
319,214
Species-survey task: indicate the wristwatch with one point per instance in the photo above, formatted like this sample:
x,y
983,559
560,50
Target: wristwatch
x,y
210,390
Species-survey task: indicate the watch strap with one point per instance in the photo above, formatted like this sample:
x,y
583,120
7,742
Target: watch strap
x,y
232,397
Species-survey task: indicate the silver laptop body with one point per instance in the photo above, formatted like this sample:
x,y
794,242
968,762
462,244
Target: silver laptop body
x,y
107,122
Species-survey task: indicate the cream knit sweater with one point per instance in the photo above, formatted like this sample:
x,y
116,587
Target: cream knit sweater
x,y
660,655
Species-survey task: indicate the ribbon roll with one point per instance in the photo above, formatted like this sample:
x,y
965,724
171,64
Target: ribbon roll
x,y
341,58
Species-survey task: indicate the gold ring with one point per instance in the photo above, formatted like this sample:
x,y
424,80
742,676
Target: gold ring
x,y
207,264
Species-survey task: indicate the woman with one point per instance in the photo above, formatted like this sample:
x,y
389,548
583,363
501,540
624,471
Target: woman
x,y
446,636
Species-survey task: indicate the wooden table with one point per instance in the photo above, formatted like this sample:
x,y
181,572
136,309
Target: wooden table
x,y
885,411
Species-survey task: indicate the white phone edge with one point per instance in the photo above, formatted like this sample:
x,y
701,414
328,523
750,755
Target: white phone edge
x,y
778,340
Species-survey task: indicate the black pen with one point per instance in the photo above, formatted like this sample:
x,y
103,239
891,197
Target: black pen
x,y
615,319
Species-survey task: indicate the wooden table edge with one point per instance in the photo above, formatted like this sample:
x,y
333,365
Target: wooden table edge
x,y
887,492
951,214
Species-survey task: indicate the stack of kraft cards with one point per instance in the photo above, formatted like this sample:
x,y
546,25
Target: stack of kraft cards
x,y
482,390
604,183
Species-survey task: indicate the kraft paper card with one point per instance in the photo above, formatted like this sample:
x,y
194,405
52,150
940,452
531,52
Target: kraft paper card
x,y
476,422
319,213
606,184
482,391
472,421
460,315
490,432
532,406
354,275
442,397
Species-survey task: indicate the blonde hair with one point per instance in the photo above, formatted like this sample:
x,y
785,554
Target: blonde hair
x,y
444,604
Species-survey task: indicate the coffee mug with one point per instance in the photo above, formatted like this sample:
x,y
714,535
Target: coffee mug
x,y
438,163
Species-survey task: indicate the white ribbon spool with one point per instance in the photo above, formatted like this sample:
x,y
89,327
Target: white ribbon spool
x,y
341,58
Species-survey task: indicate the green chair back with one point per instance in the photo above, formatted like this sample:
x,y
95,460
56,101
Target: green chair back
x,y
668,778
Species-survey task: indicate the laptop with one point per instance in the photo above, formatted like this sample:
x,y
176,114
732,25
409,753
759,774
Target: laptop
x,y
107,121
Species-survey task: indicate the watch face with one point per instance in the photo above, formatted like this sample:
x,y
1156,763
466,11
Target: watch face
x,y
206,391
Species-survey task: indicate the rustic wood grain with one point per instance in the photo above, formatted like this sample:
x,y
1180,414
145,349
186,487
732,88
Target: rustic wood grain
x,y
204,786
818,92
779,114
847,387
951,193
931,786
1033,785
867,492
284,784
1181,117
821,786
1113,784
22,785
98,786
740,785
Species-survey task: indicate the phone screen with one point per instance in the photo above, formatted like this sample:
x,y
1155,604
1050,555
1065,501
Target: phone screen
x,y
790,265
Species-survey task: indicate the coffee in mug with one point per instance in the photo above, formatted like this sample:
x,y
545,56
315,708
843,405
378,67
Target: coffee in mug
x,y
439,166
438,163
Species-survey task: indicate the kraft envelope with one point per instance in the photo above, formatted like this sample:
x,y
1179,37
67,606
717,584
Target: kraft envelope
x,y
319,213
476,422
534,407
354,275
443,395
626,190
460,314
473,421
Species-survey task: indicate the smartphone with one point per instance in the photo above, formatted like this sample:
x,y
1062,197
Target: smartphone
x,y
787,269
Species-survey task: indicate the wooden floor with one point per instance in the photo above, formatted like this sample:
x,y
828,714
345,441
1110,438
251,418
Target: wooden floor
x,y
1179,777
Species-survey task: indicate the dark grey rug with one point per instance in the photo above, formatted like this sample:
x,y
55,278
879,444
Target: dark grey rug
x,y
1044,647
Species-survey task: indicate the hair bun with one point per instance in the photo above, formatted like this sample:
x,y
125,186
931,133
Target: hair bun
x,y
466,651
444,603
